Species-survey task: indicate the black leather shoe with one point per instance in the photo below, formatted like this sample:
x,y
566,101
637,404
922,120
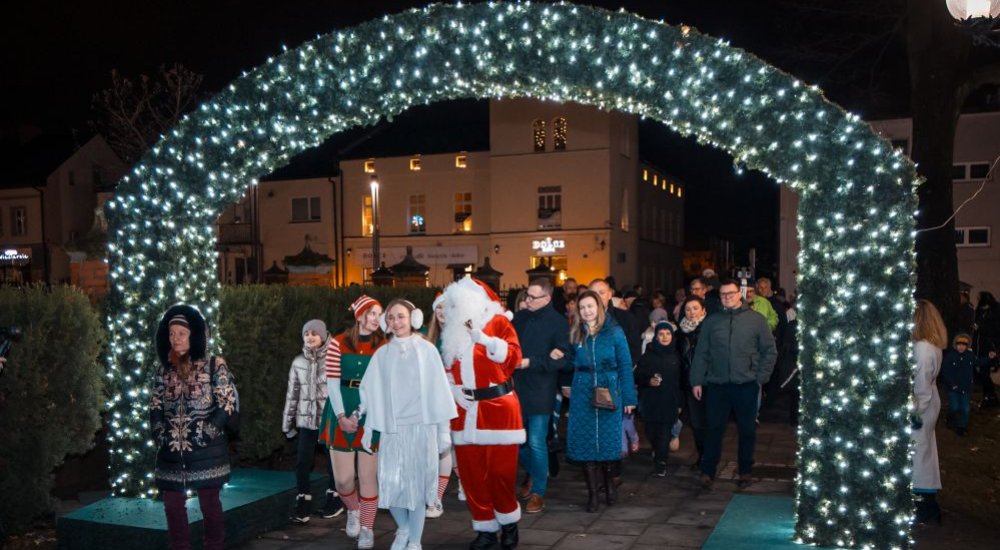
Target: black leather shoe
x,y
508,536
484,541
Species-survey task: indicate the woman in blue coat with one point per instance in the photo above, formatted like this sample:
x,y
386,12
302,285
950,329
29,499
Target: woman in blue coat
x,y
594,436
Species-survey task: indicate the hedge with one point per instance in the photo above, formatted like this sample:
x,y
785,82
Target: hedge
x,y
260,328
51,395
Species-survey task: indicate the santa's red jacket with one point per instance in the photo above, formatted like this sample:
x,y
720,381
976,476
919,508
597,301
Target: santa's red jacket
x,y
491,421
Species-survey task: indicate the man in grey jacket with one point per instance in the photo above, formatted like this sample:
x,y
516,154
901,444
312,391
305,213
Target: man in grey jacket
x,y
734,358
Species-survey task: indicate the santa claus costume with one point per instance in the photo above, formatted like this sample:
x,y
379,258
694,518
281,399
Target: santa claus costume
x,y
481,350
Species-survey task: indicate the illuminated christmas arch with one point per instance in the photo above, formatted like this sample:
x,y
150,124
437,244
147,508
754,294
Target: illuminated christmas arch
x,y
855,215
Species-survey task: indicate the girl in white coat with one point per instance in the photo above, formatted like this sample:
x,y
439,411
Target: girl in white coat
x,y
407,399
929,337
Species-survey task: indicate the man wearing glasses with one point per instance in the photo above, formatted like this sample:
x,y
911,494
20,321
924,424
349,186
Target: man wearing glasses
x,y
734,358
544,339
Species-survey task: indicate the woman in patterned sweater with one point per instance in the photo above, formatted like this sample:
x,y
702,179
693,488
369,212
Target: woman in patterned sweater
x,y
194,404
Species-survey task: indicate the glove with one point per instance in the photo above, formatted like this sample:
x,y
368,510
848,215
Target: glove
x,y
461,399
916,422
291,433
479,337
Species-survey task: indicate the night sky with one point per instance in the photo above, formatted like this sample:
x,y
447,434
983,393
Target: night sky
x,y
57,54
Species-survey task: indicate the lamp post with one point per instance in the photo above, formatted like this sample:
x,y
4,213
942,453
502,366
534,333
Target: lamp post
x,y
376,252
980,19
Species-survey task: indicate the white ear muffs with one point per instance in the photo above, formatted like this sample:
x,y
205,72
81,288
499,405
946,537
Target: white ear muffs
x,y
416,319
381,323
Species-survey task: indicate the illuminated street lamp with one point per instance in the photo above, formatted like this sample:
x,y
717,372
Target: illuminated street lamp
x,y
980,19
376,252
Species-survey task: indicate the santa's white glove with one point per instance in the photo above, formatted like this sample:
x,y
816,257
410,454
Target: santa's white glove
x,y
290,434
461,399
444,438
479,337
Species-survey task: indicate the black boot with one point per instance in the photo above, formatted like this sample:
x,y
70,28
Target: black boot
x,y
591,474
484,540
610,486
508,536
928,509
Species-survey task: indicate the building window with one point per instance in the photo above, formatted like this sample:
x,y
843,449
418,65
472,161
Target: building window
x,y
550,207
970,171
417,214
367,217
972,236
625,221
370,166
97,173
463,212
18,221
415,163
538,132
1,223
559,134
645,174
460,161
305,209
71,177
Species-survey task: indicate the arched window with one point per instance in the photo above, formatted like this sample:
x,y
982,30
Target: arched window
x,y
538,130
559,133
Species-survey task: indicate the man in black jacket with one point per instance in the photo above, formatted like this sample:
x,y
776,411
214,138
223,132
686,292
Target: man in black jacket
x,y
633,335
544,337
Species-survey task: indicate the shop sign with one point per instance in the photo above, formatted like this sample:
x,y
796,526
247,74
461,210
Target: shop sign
x,y
548,245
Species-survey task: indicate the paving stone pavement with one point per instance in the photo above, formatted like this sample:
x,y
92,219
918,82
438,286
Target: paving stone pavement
x,y
662,513
668,513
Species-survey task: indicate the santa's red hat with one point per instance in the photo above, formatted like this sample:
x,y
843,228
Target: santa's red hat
x,y
491,296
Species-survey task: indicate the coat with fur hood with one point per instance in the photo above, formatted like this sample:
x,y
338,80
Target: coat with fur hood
x,y
189,416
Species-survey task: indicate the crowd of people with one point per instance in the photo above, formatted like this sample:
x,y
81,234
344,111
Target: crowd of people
x,y
399,407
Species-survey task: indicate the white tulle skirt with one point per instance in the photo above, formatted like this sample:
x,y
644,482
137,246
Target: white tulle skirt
x,y
408,467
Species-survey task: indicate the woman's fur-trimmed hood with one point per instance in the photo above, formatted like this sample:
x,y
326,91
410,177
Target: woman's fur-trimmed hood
x,y
199,333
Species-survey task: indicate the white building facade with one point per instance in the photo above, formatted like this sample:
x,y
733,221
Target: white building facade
x,y
976,199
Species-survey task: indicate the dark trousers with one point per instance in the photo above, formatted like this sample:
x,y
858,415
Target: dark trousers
x,y
307,458
989,392
720,400
659,435
958,409
698,421
178,530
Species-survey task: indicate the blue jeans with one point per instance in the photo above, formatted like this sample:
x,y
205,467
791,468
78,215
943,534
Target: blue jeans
x,y
958,408
534,453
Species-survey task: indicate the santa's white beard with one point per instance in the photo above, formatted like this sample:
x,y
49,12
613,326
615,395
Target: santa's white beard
x,y
455,340
465,308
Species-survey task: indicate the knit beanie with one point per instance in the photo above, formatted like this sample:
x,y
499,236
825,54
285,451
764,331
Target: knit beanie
x,y
317,326
362,305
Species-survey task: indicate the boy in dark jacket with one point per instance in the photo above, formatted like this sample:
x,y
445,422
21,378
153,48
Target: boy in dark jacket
x,y
957,371
658,376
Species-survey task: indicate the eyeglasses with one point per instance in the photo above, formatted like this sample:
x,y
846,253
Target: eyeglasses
x,y
530,298
728,294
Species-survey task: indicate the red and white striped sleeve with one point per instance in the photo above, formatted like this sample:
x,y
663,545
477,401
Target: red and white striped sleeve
x,y
332,361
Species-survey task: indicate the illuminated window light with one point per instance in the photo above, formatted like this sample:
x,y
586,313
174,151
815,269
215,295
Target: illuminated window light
x,y
460,161
415,164
645,175
370,166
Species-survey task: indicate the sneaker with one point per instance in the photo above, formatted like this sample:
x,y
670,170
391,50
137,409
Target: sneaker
x,y
302,505
660,470
334,507
675,444
401,541
366,538
461,492
353,523
434,510
535,504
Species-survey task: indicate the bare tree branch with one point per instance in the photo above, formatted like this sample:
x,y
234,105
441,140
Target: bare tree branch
x,y
133,114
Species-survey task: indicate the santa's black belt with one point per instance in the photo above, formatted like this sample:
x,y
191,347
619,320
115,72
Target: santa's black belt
x,y
351,382
492,392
